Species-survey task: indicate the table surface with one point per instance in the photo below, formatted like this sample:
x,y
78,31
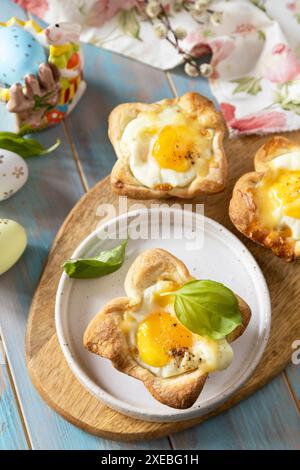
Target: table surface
x,y
267,420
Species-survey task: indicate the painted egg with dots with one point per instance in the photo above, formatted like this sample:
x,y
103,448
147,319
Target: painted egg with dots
x,y
20,54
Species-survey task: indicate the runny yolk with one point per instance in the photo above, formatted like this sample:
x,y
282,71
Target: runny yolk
x,y
162,301
279,189
177,147
158,336
287,191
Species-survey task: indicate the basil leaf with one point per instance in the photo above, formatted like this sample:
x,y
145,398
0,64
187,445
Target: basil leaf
x,y
207,308
107,262
24,146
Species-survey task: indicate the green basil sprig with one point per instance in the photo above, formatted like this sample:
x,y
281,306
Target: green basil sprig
x,y
207,308
23,146
107,262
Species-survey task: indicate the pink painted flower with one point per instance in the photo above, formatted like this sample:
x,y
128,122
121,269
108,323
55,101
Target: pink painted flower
x,y
282,65
245,28
198,44
37,7
104,10
266,121
292,6
200,49
167,7
228,111
195,37
220,50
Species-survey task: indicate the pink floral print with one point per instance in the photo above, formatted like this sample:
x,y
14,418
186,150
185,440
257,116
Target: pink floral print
x,y
265,121
104,10
282,65
220,50
37,7
245,28
254,51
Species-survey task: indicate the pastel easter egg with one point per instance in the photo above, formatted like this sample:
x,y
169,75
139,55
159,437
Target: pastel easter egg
x,y
20,54
13,173
13,241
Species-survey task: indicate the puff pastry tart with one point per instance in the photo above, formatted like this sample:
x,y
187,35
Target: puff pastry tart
x,y
265,204
169,148
143,337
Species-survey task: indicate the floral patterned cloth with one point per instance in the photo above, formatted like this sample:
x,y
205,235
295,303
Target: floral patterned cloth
x,y
255,51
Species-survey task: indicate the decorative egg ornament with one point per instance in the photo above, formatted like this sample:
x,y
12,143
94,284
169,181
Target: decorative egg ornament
x,y
13,241
20,54
13,173
41,72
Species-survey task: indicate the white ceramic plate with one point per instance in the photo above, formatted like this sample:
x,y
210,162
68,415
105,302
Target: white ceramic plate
x,y
222,258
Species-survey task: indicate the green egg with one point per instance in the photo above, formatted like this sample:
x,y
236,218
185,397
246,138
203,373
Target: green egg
x,y
13,241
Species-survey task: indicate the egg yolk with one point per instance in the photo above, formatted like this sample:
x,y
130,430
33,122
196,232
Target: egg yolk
x,y
162,301
175,148
286,190
159,336
279,189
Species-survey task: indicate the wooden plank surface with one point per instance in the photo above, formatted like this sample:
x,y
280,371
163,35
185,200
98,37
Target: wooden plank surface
x,y
293,376
41,207
266,420
12,436
287,384
57,384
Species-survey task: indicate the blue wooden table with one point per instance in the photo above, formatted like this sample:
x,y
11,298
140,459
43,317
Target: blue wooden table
x,y
267,420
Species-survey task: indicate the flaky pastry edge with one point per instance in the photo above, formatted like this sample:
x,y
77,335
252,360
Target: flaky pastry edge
x,y
243,210
104,335
123,181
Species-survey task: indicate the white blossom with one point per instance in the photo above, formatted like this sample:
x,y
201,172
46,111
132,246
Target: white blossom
x,y
206,70
160,30
177,5
191,70
201,5
216,18
153,9
180,33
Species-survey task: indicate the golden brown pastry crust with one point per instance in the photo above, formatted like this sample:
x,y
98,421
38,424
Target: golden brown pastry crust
x,y
243,210
123,181
104,335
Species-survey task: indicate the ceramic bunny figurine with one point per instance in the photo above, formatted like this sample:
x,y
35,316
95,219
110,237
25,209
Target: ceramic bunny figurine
x,y
62,33
43,79
65,54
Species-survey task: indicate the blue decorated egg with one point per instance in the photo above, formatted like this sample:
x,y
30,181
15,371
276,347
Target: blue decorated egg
x,y
20,54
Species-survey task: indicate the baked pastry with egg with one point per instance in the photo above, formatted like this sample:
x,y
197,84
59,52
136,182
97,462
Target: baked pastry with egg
x,y
265,204
143,337
169,148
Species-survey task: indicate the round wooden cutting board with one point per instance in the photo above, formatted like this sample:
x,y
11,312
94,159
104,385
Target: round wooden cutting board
x,y
47,366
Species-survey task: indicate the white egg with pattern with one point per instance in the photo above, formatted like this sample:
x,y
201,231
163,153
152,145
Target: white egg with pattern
x,y
13,173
